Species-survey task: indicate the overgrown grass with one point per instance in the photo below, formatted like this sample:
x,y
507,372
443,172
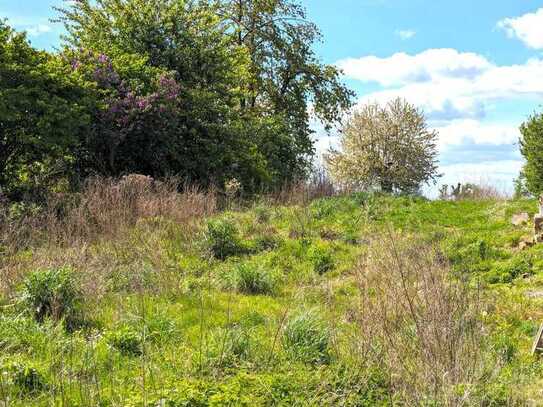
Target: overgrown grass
x,y
348,300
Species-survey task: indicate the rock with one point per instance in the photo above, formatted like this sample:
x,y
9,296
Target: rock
x,y
520,219
538,228
534,294
525,243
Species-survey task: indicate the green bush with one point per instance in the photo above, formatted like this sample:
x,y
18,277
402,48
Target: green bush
x,y
262,214
507,271
306,338
321,257
266,242
254,279
323,208
126,340
52,293
26,378
223,239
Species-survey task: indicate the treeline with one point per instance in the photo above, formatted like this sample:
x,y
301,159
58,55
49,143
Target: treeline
x,y
204,90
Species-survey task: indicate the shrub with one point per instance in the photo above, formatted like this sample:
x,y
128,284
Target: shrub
x,y
321,258
306,338
266,242
237,344
126,340
52,293
253,279
419,321
223,239
323,208
27,378
511,269
262,214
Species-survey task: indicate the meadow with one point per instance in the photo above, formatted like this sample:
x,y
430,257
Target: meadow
x,y
132,294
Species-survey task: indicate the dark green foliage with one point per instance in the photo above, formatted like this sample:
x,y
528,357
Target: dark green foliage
x,y
42,114
241,110
531,147
321,257
26,378
52,293
515,267
254,279
222,238
126,340
306,338
266,242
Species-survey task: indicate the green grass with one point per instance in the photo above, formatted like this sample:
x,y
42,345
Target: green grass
x,y
220,317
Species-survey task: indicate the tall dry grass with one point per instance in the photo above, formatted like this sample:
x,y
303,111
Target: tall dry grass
x,y
319,185
68,229
420,324
478,191
105,207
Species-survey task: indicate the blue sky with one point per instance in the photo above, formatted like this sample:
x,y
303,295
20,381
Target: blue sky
x,y
474,66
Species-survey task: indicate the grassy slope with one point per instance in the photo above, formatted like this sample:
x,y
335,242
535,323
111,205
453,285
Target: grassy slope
x,y
204,342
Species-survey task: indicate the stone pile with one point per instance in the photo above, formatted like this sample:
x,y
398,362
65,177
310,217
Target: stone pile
x,y
523,218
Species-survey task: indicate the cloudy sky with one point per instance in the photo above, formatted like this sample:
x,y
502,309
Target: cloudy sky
x,y
475,67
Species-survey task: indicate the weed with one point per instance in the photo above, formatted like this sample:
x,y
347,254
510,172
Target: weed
x,y
508,271
321,257
52,293
126,340
254,279
417,321
26,378
262,214
266,242
306,338
223,239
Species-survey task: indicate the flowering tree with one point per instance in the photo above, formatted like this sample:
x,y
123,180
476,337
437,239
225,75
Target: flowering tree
x,y
133,124
388,147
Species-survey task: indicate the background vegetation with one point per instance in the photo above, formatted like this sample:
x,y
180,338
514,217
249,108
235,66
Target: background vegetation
x,y
228,274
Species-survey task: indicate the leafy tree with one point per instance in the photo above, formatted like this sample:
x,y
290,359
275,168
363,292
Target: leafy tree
x,y
168,80
285,81
247,81
388,147
531,147
42,109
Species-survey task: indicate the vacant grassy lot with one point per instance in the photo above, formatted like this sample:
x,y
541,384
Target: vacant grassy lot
x,y
357,300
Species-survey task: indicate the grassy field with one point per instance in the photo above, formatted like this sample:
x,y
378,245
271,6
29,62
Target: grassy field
x,y
356,300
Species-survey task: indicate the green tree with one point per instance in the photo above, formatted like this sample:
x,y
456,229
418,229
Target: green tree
x,y
247,81
136,44
42,110
531,147
285,82
388,147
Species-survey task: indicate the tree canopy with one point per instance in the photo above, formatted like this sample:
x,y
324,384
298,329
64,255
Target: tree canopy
x,y
205,90
531,147
43,109
387,147
245,78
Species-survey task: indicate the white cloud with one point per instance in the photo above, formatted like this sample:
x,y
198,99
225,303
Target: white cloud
x,y
527,28
402,68
460,132
405,34
38,30
446,83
